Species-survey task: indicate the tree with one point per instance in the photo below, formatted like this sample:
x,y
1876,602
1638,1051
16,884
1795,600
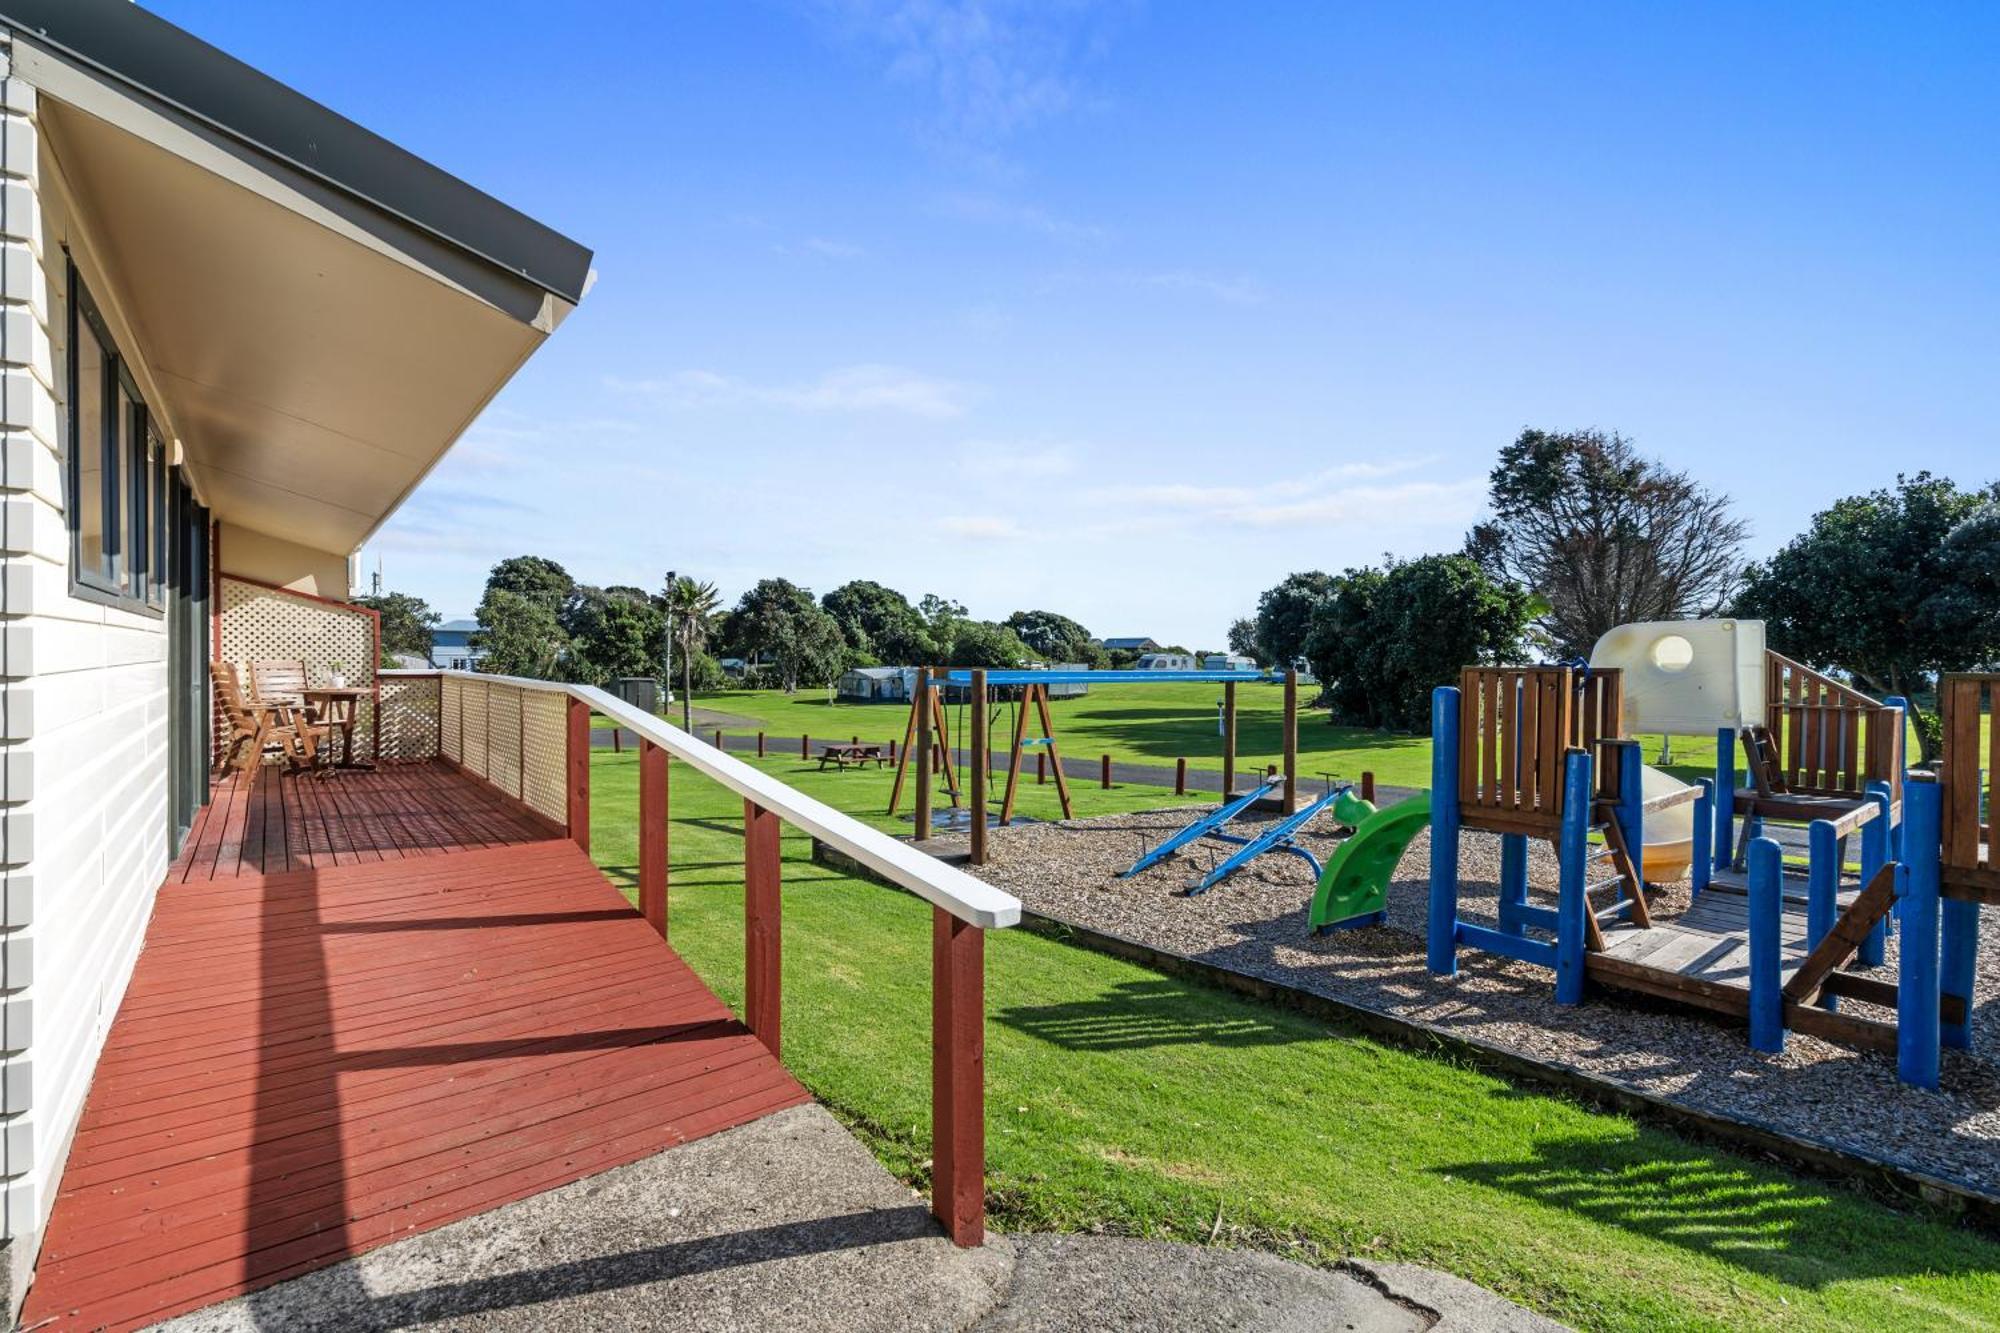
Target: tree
x,y
981,643
539,580
407,623
691,607
1053,637
1891,587
880,623
1243,641
1385,638
520,636
613,632
781,619
1606,535
1285,614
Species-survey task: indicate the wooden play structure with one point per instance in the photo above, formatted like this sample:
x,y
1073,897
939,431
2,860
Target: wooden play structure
x,y
928,738
1542,752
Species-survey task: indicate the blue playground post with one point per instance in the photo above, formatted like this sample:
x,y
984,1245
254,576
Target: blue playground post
x,y
1917,1027
1704,835
1571,904
1959,923
1874,855
1767,997
1822,889
1442,953
1725,797
1513,881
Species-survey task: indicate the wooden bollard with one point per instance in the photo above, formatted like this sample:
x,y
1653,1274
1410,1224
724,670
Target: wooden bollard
x,y
892,749
617,734
718,738
1041,768
854,740
760,745
1180,776
1368,785
1105,767
805,747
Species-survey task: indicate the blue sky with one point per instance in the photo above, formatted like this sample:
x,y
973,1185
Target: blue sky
x,y
1128,309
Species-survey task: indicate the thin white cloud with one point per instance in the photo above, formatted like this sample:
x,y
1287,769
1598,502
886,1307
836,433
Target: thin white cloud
x,y
980,527
862,388
993,68
828,248
991,210
1002,459
1241,290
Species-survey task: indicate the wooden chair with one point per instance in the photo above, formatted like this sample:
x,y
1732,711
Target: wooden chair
x,y
256,726
282,682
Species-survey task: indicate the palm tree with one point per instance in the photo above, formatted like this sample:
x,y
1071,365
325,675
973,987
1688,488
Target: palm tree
x,y
691,609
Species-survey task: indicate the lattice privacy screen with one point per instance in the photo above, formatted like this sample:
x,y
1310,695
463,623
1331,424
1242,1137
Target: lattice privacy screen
x,y
261,624
412,717
514,738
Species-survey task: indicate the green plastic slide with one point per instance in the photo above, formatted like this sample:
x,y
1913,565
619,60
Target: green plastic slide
x,y
1353,889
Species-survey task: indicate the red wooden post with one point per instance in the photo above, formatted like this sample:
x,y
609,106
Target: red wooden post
x,y
979,765
760,745
1368,785
1228,739
577,752
1180,776
1104,766
763,961
958,1077
653,835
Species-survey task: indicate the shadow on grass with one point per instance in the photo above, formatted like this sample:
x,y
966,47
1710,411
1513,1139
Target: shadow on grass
x,y
1785,1229
1138,1014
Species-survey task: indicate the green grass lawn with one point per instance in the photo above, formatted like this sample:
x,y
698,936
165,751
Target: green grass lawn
x,y
1157,724
1122,1101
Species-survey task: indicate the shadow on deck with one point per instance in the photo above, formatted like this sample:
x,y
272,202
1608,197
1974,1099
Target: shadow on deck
x,y
371,1003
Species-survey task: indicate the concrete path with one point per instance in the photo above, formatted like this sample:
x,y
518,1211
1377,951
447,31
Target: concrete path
x,y
789,1223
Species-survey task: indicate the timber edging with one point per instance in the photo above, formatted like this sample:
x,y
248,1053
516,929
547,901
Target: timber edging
x,y
1897,1182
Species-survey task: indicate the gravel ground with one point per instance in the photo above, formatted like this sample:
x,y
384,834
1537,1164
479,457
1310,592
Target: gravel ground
x,y
1255,923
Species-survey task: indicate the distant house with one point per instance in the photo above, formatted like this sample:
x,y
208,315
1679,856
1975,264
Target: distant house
x,y
733,667
1166,662
867,685
1141,645
451,646
1227,662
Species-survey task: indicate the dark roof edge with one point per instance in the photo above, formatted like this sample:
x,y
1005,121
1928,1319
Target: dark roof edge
x,y
144,51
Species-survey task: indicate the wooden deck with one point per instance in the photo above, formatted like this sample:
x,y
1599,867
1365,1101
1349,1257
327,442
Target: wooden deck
x,y
276,821
427,1008
1711,940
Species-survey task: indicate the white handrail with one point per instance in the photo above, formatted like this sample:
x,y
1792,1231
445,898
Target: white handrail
x,y
969,899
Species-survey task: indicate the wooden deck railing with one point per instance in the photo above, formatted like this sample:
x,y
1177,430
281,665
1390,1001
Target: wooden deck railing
x,y
1515,725
1832,740
532,738
1971,821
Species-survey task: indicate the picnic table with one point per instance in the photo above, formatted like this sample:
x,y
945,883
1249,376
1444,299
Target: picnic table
x,y
842,754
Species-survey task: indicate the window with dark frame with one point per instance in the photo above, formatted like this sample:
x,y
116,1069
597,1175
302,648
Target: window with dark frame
x,y
116,469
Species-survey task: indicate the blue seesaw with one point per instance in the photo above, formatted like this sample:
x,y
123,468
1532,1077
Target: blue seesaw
x,y
1279,837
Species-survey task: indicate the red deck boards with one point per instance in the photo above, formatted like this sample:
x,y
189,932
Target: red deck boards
x,y
443,1011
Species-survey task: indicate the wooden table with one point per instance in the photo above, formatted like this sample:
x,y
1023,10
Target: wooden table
x,y
339,706
843,755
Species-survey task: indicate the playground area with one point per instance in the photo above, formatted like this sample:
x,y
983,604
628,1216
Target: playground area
x,y
1257,924
1793,943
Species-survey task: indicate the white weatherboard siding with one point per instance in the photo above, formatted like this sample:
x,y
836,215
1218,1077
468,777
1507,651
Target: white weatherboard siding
x,y
85,719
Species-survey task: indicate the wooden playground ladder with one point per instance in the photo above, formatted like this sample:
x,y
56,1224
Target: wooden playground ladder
x,y
1624,875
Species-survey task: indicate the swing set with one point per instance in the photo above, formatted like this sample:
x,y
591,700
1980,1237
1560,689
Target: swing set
x,y
928,738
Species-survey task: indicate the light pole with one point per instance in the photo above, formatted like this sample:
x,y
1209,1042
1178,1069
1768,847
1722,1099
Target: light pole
x,y
670,636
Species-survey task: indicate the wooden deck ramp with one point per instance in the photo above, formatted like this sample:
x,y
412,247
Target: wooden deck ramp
x,y
370,1004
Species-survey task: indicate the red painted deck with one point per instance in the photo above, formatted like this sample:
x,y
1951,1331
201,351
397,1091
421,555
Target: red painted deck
x,y
316,1061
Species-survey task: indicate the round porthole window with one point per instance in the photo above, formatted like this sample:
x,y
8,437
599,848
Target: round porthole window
x,y
1672,653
